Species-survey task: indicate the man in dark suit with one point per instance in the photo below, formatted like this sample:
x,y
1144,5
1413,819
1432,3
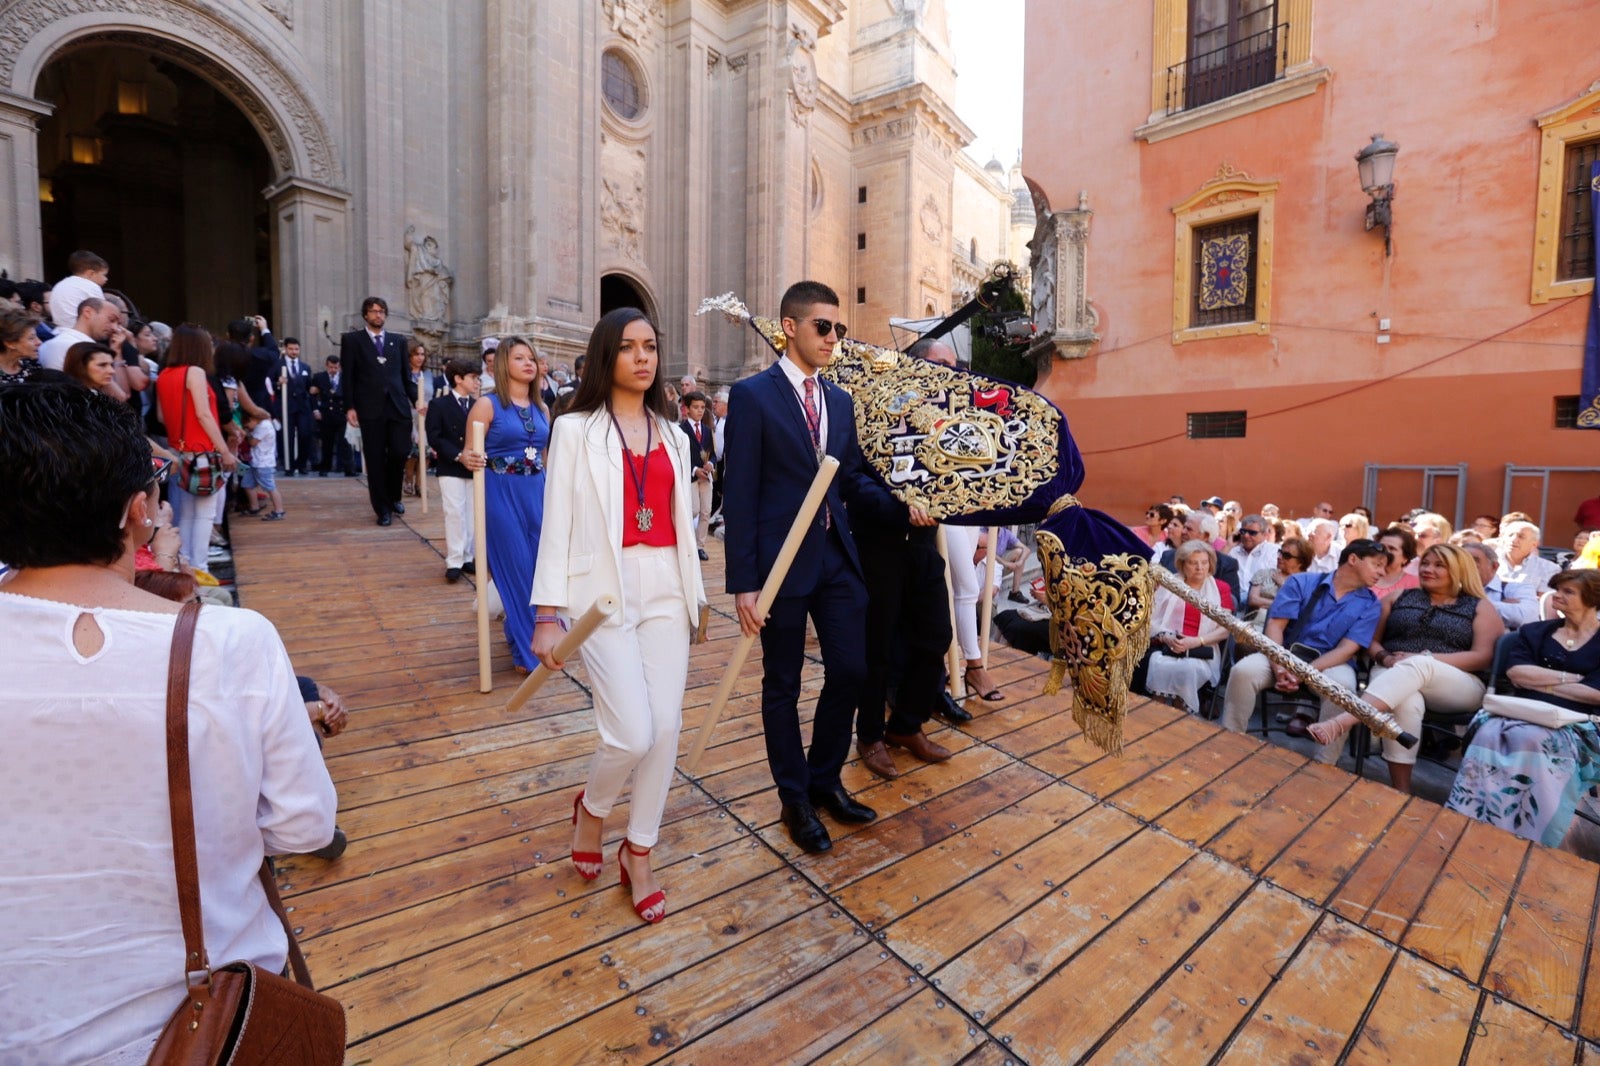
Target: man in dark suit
x,y
1227,565
447,436
780,424
327,411
702,461
296,442
379,395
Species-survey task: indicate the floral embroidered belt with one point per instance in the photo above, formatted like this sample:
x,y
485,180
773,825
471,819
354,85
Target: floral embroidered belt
x,y
516,464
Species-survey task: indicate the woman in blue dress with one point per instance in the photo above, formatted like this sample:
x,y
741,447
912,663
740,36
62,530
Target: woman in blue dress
x,y
514,453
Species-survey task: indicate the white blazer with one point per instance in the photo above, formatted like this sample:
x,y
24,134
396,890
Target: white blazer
x,y
580,542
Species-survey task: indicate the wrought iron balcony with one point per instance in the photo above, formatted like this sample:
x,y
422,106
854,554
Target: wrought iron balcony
x,y
1247,63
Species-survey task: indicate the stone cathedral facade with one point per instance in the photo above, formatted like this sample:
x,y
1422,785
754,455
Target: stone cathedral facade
x,y
491,166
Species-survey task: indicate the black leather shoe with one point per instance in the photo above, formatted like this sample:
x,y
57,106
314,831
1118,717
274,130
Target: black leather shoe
x,y
951,711
838,803
384,519
452,574
703,556
334,848
470,567
805,828
398,507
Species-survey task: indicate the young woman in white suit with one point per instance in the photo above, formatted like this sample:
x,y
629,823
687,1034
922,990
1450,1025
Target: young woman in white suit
x,y
618,521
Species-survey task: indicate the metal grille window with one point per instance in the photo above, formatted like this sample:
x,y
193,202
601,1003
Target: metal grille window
x,y
1210,425
1224,273
619,84
1575,252
1566,412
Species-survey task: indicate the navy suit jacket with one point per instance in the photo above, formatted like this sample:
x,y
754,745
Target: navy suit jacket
x,y
769,468
447,434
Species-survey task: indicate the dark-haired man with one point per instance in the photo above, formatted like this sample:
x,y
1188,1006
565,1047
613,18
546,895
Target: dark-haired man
x,y
780,425
1332,617
379,395
328,408
294,378
702,463
447,436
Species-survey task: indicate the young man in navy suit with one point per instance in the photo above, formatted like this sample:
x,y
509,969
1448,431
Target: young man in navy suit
x,y
447,436
379,395
780,423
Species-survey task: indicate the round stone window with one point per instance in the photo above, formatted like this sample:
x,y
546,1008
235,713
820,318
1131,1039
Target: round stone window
x,y
619,85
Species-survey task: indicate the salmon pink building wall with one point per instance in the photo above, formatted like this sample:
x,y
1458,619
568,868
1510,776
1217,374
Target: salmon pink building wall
x,y
1472,367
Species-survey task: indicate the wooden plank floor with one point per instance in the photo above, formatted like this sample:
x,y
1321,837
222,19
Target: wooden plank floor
x,y
1204,898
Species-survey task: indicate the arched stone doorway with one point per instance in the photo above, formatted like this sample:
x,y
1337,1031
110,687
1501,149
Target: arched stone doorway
x,y
619,290
308,207
147,163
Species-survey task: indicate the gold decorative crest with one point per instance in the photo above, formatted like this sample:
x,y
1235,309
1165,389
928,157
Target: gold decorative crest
x,y
951,443
1099,630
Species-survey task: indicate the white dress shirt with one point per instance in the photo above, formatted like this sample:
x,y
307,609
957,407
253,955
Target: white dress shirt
x,y
91,951
796,378
1264,556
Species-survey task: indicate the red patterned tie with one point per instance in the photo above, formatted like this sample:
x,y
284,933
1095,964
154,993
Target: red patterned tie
x,y
814,423
813,419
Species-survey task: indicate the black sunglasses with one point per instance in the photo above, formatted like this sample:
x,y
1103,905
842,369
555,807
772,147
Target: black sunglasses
x,y
1247,532
824,327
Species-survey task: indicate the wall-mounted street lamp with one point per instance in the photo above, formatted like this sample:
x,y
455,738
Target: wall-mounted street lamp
x,y
1375,163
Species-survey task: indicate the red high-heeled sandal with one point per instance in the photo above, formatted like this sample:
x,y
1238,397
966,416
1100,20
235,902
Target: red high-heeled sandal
x,y
587,863
653,907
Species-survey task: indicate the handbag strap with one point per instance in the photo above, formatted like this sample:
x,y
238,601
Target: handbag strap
x,y
180,799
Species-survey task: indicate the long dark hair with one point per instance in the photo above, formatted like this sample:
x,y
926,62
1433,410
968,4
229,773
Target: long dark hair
x,y
600,365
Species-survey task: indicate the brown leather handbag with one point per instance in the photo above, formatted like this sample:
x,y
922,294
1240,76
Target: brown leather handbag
x,y
238,1013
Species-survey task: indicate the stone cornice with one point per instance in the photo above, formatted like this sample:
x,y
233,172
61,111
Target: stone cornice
x,y
824,12
916,101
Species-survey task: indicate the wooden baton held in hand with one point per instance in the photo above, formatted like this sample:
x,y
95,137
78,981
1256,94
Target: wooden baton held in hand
x,y
769,592
603,608
480,546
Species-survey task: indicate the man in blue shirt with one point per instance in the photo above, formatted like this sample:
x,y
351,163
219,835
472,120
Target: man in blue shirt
x,y
1334,615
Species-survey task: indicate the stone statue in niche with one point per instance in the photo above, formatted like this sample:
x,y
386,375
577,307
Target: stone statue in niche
x,y
428,280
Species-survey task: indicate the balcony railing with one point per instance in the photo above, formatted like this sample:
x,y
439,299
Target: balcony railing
x,y
1244,64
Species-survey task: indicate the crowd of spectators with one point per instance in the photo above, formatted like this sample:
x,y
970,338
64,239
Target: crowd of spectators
x,y
1412,613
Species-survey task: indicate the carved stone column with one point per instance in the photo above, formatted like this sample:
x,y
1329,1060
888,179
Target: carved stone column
x,y
311,256
1062,312
21,252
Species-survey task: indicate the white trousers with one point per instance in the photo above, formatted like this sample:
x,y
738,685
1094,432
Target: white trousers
x,y
1411,685
1253,674
638,663
455,494
962,544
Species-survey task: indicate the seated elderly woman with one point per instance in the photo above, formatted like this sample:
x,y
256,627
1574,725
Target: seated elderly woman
x,y
1524,777
1294,557
1184,653
91,948
1432,648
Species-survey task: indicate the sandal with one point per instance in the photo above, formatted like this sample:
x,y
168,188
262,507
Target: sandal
x,y
587,863
653,907
994,695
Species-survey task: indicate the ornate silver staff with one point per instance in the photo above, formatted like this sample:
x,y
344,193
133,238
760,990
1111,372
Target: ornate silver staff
x,y
1380,722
